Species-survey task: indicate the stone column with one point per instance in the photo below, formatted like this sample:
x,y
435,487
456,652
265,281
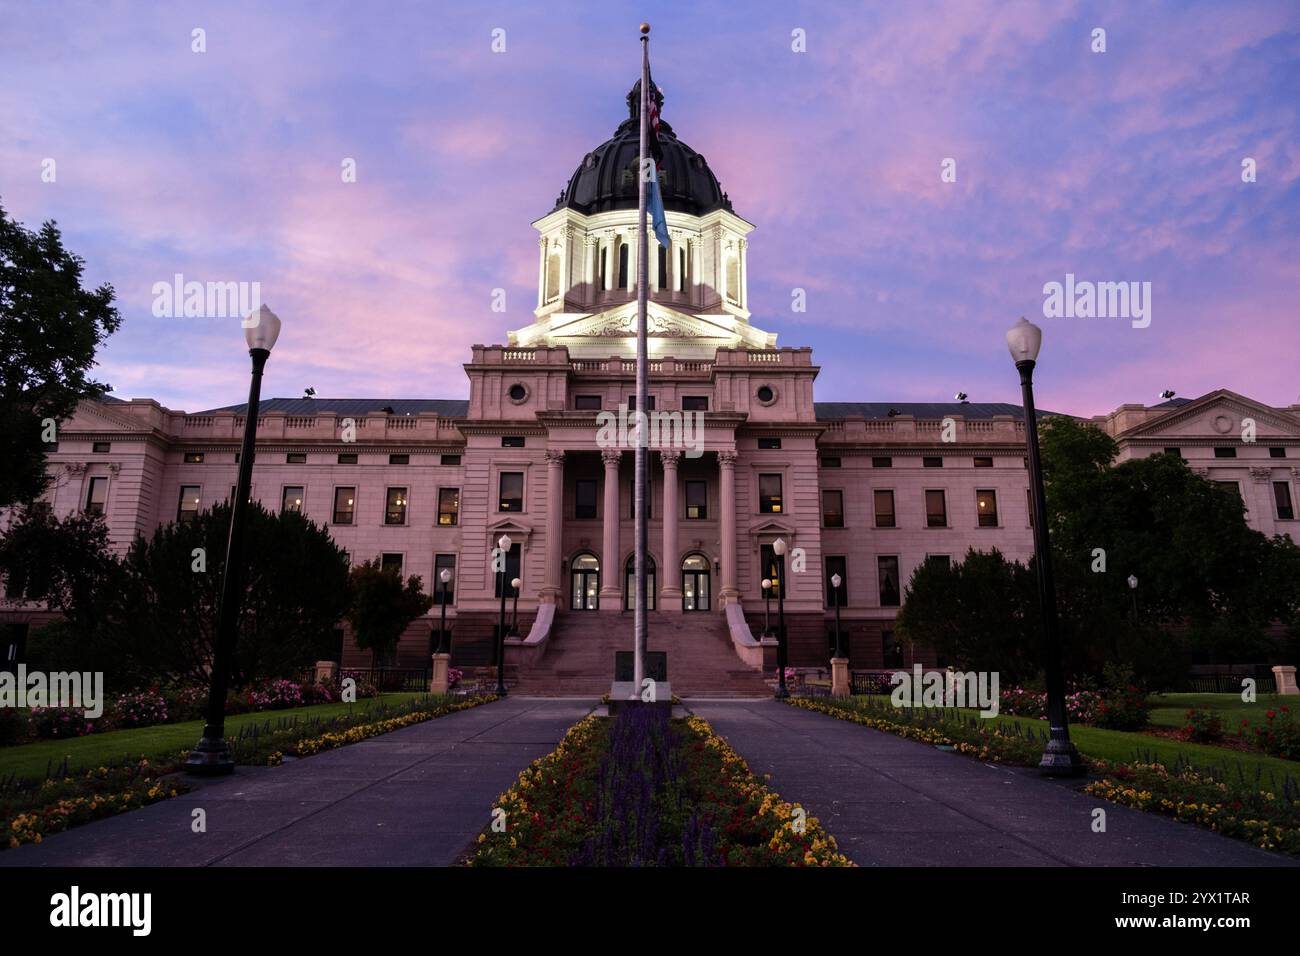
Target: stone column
x,y
670,592
610,571
727,505
541,271
552,589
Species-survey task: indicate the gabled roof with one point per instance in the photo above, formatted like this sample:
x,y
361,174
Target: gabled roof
x,y
923,410
446,407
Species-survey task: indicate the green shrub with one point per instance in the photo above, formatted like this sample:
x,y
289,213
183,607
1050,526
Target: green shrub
x,y
1203,726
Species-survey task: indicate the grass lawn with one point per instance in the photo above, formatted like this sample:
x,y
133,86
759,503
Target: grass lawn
x,y
162,740
1168,710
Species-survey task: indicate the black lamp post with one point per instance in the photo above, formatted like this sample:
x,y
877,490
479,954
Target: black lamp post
x,y
515,586
211,757
444,576
779,547
1133,589
767,606
835,593
1060,758
503,543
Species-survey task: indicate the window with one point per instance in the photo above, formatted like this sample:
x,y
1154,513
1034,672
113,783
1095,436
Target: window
x,y
650,403
932,461
936,509
680,282
291,499
695,403
450,460
662,265
444,562
887,575
882,461
584,498
769,443
697,499
983,461
399,459
833,509
1282,497
295,458
194,458
1230,486
391,561
395,506
942,560
347,458
1176,452
96,494
512,571
884,500
622,265
512,441
345,501
837,564
589,403
1221,451
765,394
517,392
768,571
769,494
1276,452
604,265
100,447
511,497
830,463
986,504
890,649
187,505
448,506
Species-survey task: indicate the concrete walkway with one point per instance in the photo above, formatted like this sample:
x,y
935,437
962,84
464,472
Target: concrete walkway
x,y
889,801
414,797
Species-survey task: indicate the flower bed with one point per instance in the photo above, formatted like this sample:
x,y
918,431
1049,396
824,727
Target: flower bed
x,y
641,790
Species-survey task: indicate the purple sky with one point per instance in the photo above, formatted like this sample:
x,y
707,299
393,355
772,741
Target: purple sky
x,y
1123,165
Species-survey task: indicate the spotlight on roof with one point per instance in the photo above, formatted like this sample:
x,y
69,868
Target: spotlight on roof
x,y
309,392
960,396
892,413
1167,394
388,410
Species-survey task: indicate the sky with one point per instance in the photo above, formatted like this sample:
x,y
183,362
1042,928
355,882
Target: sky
x,y
1117,166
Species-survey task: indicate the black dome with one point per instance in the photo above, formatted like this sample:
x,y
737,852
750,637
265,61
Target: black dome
x,y
606,177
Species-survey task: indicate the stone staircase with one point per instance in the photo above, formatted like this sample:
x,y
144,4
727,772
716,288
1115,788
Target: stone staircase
x,y
580,659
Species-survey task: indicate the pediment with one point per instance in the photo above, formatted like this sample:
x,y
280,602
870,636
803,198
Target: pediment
x,y
1218,415
92,416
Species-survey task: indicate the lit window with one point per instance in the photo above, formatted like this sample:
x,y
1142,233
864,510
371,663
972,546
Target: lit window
x,y
292,499
395,506
194,458
769,494
697,500
986,503
345,504
187,508
511,497
448,506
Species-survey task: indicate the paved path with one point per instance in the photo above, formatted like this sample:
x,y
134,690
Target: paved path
x,y
889,801
414,797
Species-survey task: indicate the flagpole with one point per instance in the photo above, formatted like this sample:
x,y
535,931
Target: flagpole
x,y
642,389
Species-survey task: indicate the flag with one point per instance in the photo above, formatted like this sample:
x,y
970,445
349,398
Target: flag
x,y
655,199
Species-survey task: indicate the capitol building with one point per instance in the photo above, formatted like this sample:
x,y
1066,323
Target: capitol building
x,y
866,490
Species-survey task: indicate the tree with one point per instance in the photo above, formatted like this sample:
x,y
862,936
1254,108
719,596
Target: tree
x,y
383,606
50,330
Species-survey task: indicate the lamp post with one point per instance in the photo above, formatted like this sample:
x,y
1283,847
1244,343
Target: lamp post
x,y
767,606
1133,589
835,585
1060,758
779,548
503,543
444,576
211,756
515,585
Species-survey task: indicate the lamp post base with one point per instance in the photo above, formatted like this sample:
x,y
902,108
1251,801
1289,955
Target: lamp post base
x,y
211,758
1061,759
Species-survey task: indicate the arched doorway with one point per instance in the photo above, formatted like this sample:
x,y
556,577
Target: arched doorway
x,y
584,579
695,583
629,583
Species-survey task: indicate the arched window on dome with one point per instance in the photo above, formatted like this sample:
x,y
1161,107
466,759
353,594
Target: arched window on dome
x,y
733,278
602,264
622,265
679,280
552,276
663,268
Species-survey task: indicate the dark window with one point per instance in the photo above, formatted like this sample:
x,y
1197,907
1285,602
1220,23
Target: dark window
x,y
1221,451
512,571
986,503
1176,452
837,564
1230,486
345,503
697,499
512,441
882,461
100,447
511,497
765,393
769,494
517,392
887,574
450,460
391,561
399,459
604,264
695,403
291,499
769,443
932,461
890,649
584,501
96,494
295,458
194,458
936,509
187,505
650,403
663,267
769,571
347,458
590,403
622,266
984,461
833,509
448,506
444,562
395,506
1282,496
830,463
1276,452
942,560
884,501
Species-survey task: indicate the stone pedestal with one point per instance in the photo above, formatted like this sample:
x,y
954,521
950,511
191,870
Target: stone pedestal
x,y
840,677
1284,674
326,671
438,682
